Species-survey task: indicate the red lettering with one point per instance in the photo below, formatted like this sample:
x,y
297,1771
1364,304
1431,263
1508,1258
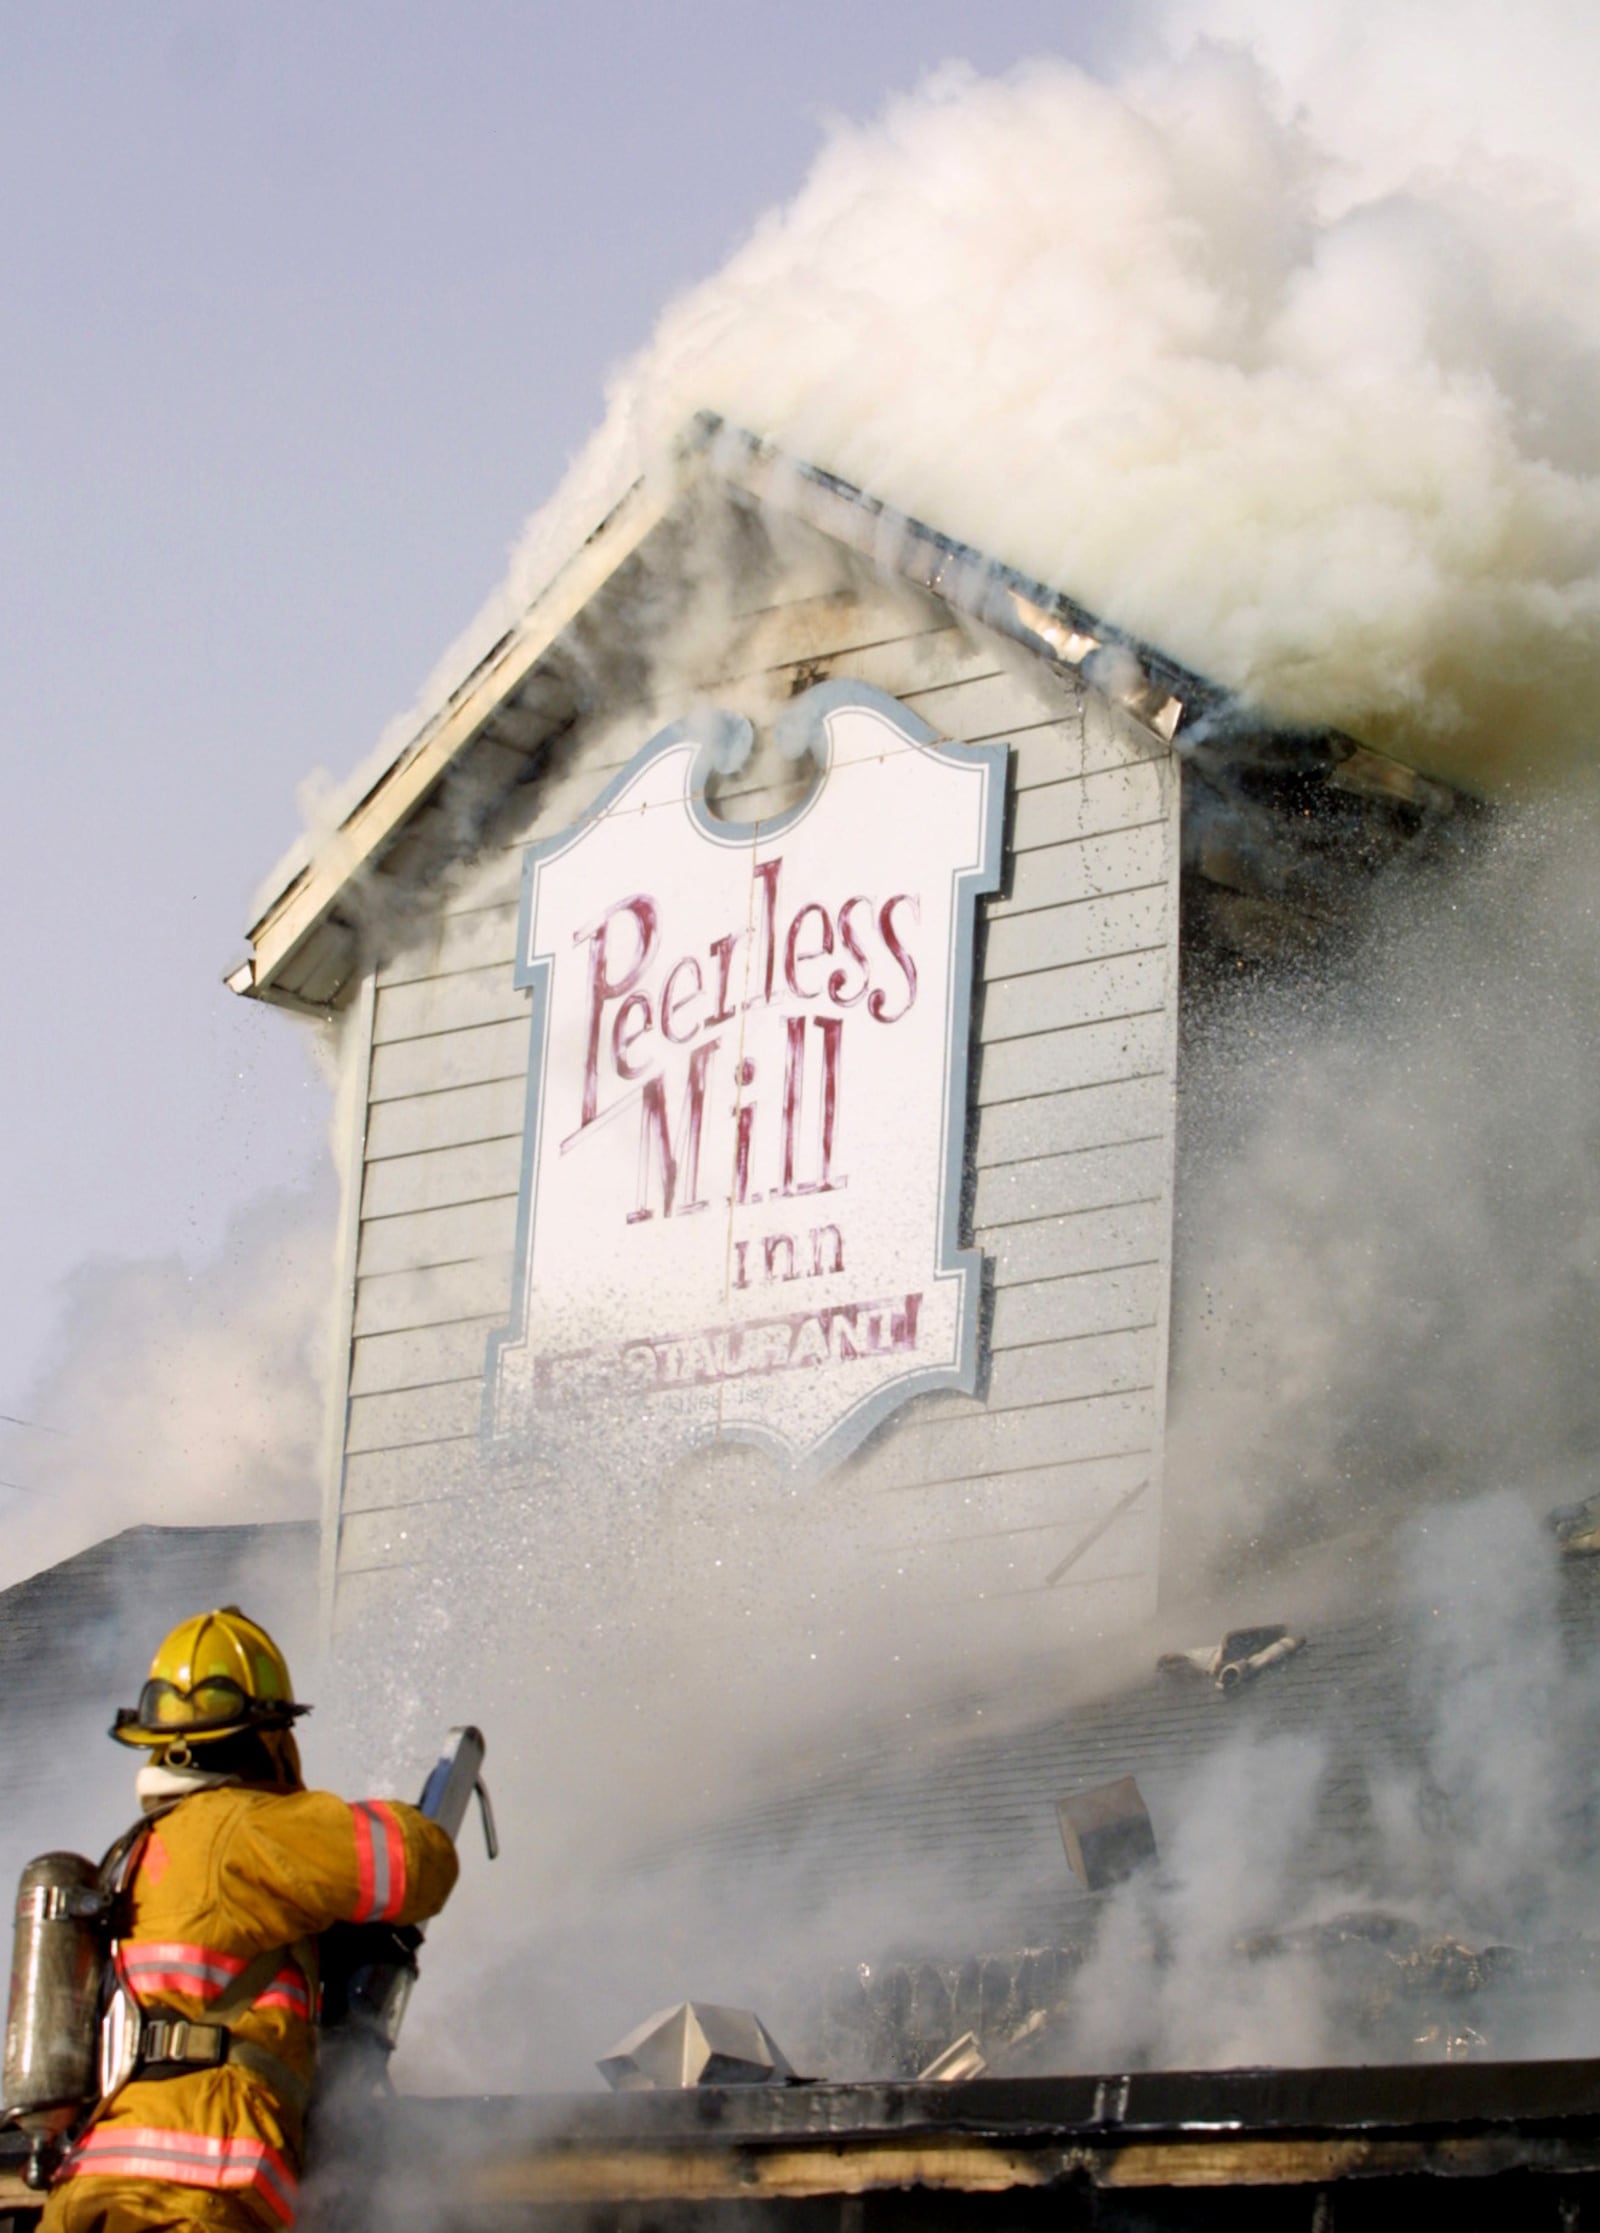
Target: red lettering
x,y
794,1078
819,1233
832,1029
605,985
878,1006
794,1086
673,1003
655,1136
723,949
745,1116
631,1021
854,948
767,877
793,956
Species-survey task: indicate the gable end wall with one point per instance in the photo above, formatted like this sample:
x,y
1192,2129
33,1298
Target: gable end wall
x,y
1033,1501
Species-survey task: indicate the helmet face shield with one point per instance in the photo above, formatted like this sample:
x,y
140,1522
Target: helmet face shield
x,y
215,1703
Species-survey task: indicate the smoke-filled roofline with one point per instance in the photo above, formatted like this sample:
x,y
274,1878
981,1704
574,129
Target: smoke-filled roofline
x,y
1196,717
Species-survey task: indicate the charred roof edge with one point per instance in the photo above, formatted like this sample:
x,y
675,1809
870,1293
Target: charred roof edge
x,y
1188,712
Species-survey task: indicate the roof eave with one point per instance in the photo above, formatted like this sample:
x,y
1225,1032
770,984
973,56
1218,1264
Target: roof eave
x,y
300,909
1156,690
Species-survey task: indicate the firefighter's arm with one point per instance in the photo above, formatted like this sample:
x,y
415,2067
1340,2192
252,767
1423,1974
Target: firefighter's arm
x,y
298,1863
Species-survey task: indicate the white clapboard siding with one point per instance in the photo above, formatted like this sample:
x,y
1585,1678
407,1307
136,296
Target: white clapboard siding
x,y
1052,1372
1083,1304
1086,930
455,1003
1054,875
1054,751
450,1236
1086,1054
1053,1186
967,1567
989,705
394,1302
442,1177
450,1058
1085,1116
944,1568
827,627
972,1500
1084,1608
965,1449
380,1480
1043,752
366,1599
1081,992
402,1535
1021,1378
1081,1496
456,1117
422,1356
902,666
1104,1240
485,938
404,1416
1087,806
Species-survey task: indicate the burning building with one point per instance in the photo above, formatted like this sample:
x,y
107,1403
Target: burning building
x,y
761,998
762,992
767,982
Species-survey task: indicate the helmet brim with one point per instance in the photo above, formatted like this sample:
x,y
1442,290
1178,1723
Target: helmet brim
x,y
129,1730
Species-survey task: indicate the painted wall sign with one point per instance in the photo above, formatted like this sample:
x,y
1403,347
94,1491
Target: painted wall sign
x,y
747,1095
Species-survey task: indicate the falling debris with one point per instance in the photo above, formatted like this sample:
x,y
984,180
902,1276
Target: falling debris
x,y
1577,1527
963,2058
695,2044
1106,1831
1242,1654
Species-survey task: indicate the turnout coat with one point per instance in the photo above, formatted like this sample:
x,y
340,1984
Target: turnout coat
x,y
228,1876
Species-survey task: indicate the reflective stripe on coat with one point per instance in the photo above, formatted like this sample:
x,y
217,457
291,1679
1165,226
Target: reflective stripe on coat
x,y
225,1876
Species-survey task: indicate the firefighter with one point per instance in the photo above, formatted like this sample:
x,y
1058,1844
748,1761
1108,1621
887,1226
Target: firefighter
x,y
235,1871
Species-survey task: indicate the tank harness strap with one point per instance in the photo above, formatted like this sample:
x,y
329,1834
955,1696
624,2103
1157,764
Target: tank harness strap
x,y
172,2046
121,1862
251,1982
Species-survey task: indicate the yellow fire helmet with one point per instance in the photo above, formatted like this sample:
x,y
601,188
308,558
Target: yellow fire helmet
x,y
216,1675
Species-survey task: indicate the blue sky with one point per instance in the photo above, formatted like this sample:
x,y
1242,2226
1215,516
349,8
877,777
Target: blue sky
x,y
305,309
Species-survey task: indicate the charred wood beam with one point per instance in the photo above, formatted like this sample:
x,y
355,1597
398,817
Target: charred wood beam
x,y
490,2160
1142,2130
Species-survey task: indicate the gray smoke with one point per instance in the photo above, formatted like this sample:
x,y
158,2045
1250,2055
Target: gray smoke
x,y
1390,1210
179,1393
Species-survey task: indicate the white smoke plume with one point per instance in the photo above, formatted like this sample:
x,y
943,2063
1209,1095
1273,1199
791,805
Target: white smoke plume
x,y
1389,1212
177,1393
1281,350
1250,1943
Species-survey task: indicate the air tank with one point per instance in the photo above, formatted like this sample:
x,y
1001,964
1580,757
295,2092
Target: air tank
x,y
53,2015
